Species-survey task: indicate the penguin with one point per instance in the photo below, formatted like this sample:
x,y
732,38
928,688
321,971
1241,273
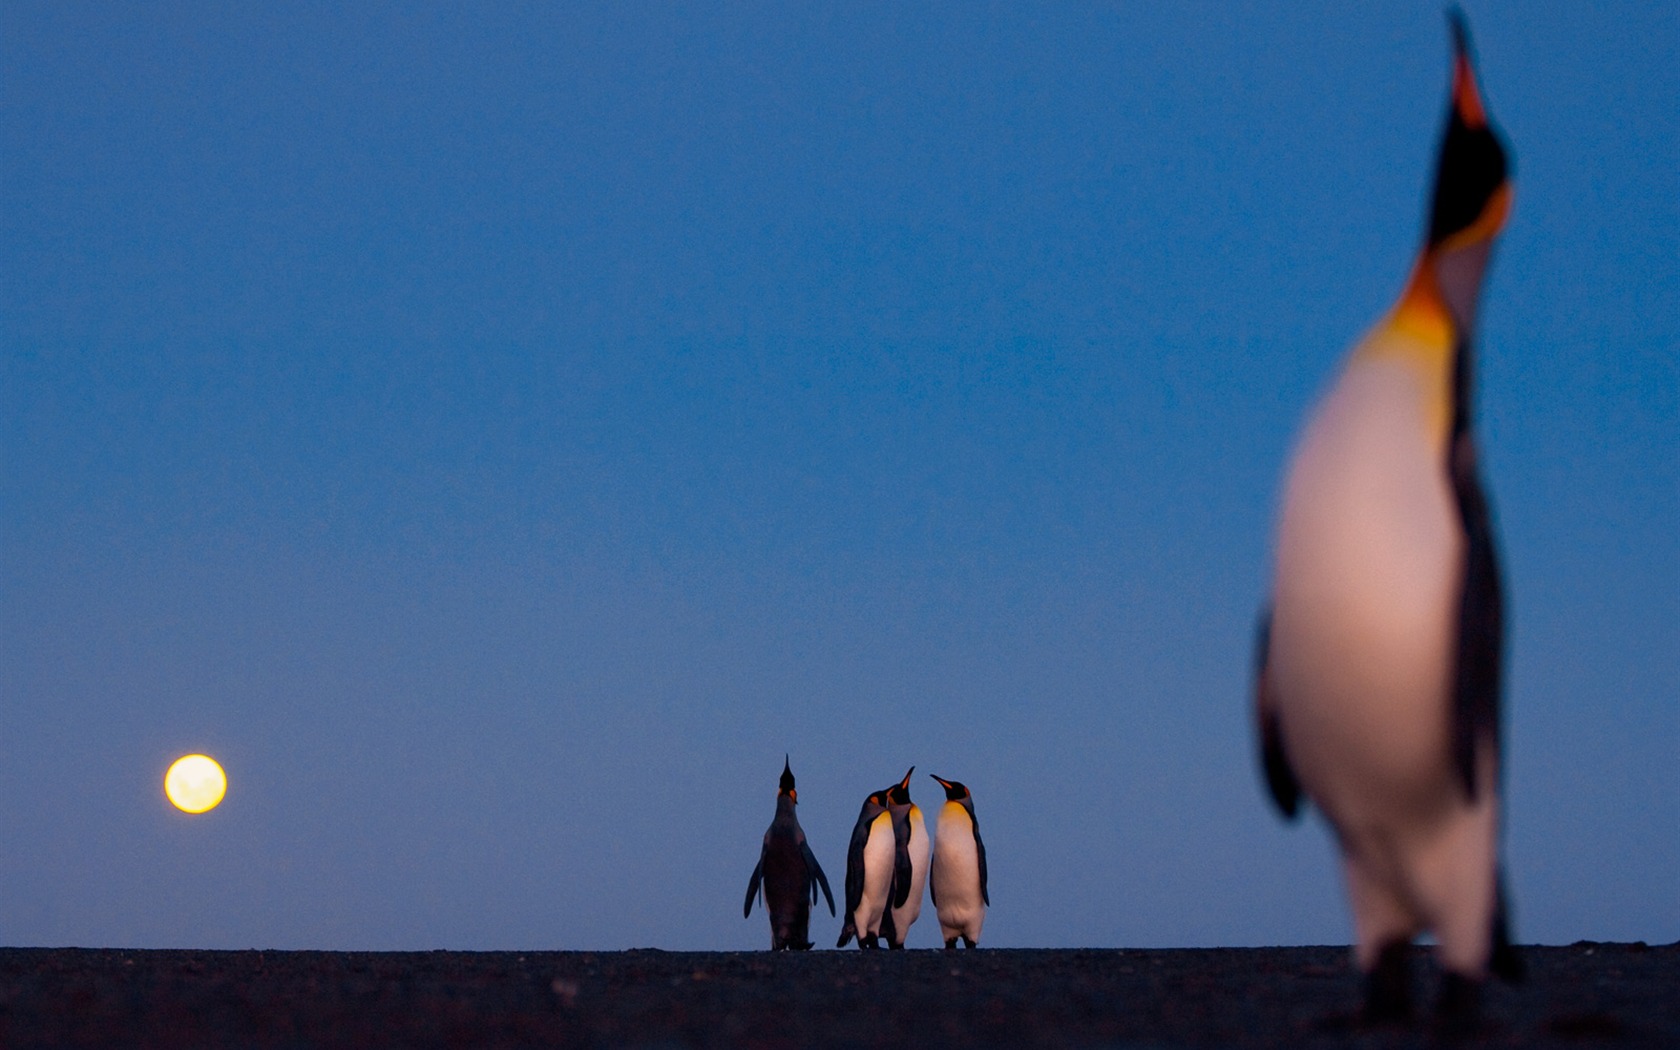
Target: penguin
x,y
1378,659
869,872
789,872
910,862
959,868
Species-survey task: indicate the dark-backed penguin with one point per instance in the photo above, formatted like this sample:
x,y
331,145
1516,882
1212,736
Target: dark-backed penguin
x,y
789,873
958,887
1378,665
869,872
910,862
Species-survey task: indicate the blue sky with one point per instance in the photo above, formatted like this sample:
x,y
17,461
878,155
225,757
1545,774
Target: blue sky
x,y
500,432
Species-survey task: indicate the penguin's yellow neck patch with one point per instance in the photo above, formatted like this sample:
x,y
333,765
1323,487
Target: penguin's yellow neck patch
x,y
1419,333
1421,314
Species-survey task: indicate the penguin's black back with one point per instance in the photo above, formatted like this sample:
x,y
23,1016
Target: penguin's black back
x,y
787,879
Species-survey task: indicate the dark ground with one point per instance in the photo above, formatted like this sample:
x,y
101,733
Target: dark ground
x,y
1584,995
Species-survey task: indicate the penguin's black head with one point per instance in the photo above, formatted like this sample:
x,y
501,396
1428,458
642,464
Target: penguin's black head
x,y
899,793
954,791
1472,179
787,781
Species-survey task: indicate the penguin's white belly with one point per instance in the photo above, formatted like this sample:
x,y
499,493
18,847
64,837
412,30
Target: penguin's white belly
x,y
904,916
956,876
877,876
1366,606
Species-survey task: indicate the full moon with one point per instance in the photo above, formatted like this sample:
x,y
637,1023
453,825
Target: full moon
x,y
195,783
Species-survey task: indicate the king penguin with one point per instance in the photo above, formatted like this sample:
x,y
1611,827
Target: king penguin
x,y
1378,664
959,868
910,862
789,872
869,872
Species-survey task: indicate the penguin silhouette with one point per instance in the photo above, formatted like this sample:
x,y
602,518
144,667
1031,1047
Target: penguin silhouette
x,y
789,873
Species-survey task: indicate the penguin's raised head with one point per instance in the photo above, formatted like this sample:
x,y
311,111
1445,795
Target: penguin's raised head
x,y
899,793
787,781
954,791
1471,200
1472,178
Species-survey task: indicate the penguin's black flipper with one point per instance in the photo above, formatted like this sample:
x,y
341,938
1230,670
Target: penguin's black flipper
x,y
980,850
816,876
1481,626
901,857
1280,777
752,886
854,865
854,868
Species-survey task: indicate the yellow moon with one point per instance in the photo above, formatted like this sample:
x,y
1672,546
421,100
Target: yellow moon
x,y
195,783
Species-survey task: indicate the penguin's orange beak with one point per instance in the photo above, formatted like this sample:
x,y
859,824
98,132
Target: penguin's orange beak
x,y
905,783
1466,99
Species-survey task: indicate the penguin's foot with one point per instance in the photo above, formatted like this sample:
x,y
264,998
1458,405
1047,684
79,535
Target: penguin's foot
x,y
807,946
871,941
1458,1011
951,945
1507,964
898,947
1388,987
970,942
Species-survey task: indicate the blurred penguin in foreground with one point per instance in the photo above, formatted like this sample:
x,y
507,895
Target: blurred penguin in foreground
x,y
790,874
1378,665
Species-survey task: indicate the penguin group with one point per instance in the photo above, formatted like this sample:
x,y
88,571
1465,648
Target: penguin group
x,y
1378,668
888,863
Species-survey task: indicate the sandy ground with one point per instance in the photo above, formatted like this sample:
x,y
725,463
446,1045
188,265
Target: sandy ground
x,y
1584,995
